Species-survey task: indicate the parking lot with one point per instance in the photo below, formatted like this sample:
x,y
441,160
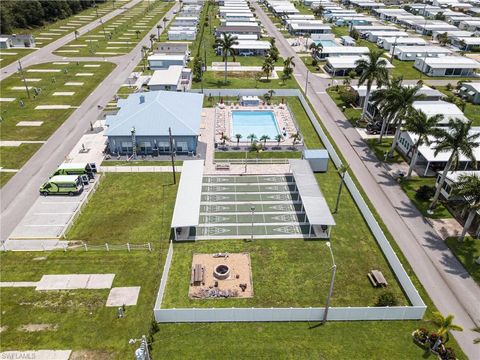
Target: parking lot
x,y
49,216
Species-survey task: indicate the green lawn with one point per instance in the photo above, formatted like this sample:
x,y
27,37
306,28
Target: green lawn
x,y
352,114
103,8
384,147
5,177
261,155
339,31
410,187
12,112
17,53
13,157
472,111
467,252
109,39
242,80
138,206
82,321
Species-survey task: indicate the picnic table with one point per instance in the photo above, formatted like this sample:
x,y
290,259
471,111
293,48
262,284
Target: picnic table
x,y
376,278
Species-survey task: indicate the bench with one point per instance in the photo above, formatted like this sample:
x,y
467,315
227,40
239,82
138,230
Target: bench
x,y
198,274
376,278
223,166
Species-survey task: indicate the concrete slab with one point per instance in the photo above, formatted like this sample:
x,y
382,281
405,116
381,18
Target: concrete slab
x,y
37,354
100,281
7,99
44,70
19,284
67,51
91,65
61,63
75,281
78,281
20,88
52,107
84,74
123,296
29,123
63,93
33,245
33,79
53,282
74,83
446,228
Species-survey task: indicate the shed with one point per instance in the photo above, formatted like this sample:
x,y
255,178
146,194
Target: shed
x,y
317,158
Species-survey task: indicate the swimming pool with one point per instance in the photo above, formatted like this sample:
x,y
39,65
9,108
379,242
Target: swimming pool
x,y
254,122
326,42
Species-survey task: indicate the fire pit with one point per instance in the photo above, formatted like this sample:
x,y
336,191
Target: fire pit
x,y
221,272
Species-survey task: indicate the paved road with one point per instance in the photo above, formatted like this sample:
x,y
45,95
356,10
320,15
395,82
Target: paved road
x,y
44,54
18,195
452,290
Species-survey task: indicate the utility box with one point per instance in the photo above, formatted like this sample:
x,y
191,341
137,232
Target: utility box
x,y
318,159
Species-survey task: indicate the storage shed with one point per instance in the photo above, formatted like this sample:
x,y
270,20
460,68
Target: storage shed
x,y
317,158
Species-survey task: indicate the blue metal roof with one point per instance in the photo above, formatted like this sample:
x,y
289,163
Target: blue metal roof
x,y
152,113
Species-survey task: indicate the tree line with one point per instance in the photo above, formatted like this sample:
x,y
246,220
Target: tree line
x,y
28,14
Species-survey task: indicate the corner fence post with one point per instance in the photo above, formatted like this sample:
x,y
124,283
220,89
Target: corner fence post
x,y
149,247
85,246
106,247
128,247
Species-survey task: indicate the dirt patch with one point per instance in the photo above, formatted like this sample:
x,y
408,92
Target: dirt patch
x,y
38,327
221,276
91,355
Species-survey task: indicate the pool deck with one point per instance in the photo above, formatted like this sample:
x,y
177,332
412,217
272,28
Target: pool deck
x,y
223,123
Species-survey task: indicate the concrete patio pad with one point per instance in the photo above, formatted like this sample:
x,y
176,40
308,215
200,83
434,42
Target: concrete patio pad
x,y
7,99
44,70
73,83
37,354
29,123
446,228
63,93
75,281
18,284
123,296
84,74
52,107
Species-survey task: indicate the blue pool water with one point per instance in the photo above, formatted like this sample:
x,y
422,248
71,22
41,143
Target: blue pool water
x,y
326,42
254,122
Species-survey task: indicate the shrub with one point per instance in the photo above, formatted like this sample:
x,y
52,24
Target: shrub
x,y
348,97
425,192
421,335
449,87
314,62
386,299
352,74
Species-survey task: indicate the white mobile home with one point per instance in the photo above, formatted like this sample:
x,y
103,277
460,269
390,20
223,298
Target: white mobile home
x,y
174,78
411,53
309,27
388,42
466,43
252,47
182,33
447,66
342,65
470,92
336,51
373,36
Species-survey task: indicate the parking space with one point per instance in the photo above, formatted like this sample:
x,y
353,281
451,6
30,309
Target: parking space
x,y
49,216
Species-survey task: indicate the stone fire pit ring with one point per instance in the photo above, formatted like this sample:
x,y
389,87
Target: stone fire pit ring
x,y
221,272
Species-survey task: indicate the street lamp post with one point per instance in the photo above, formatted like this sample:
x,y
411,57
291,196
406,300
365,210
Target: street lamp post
x,y
332,280
306,83
252,208
141,353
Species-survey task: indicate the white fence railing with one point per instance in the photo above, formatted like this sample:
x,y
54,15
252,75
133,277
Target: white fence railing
x,y
107,247
416,311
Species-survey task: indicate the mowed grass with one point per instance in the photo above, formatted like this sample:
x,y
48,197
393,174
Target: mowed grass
x,y
352,114
13,112
52,28
242,80
13,157
107,37
82,321
138,206
7,56
5,177
410,187
467,252
380,149
472,111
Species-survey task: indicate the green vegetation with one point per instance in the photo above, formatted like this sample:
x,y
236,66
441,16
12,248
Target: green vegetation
x,y
13,157
17,53
467,252
411,186
138,206
5,176
384,147
339,31
108,40
352,114
13,112
79,318
242,80
260,155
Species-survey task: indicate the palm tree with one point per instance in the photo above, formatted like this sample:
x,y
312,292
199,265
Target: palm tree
x,y
224,138
442,39
225,43
468,188
372,69
159,27
152,40
318,10
445,324
422,125
395,102
252,137
476,340
296,138
238,137
278,138
264,138
268,66
458,141
268,96
144,56
316,49
137,32
288,66
165,19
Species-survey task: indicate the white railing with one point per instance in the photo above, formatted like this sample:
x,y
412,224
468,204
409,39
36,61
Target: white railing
x,y
83,246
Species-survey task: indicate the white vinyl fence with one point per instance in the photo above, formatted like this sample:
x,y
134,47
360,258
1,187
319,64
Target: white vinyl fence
x,y
416,311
